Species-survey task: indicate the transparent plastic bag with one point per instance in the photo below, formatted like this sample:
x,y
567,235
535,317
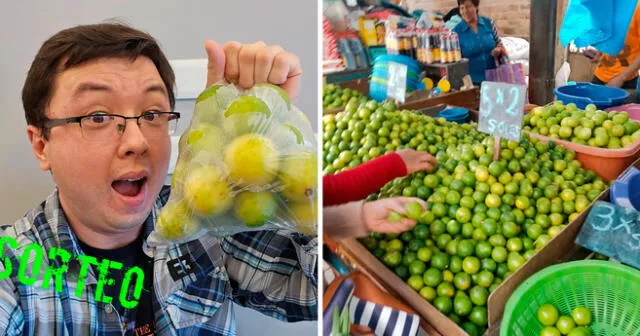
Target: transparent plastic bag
x,y
246,162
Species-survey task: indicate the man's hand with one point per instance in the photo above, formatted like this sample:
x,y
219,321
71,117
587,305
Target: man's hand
x,y
616,82
250,64
417,161
375,214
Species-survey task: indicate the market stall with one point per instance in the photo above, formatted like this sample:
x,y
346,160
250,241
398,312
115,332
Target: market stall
x,y
524,198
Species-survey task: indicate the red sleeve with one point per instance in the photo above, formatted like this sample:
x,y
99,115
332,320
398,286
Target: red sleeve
x,y
358,183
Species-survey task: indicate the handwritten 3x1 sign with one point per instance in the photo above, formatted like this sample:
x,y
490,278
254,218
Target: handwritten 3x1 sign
x,y
502,109
613,231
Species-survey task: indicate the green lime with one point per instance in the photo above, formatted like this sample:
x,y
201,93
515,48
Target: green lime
x,y
465,248
565,324
424,254
421,231
478,316
488,264
462,281
417,267
428,293
499,254
446,289
483,249
485,279
437,228
580,331
432,277
426,217
402,272
455,265
581,316
440,261
394,217
471,265
408,258
413,210
392,259
443,303
478,295
550,331
462,305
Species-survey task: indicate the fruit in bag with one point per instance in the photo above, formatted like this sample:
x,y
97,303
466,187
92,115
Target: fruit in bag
x,y
246,162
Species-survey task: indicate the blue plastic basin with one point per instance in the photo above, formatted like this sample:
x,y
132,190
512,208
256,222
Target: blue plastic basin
x,y
583,94
634,191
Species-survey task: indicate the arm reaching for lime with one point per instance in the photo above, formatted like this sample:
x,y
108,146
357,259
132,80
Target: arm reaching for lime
x,y
357,219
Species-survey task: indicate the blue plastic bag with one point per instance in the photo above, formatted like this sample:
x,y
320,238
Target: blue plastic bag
x,y
597,23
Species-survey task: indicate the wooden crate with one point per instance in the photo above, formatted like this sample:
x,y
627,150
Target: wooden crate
x,y
557,250
418,100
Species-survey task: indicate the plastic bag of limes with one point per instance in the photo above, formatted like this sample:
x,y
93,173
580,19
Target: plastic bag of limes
x,y
246,162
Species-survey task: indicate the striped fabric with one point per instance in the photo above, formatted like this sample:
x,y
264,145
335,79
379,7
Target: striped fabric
x,y
273,272
496,36
383,320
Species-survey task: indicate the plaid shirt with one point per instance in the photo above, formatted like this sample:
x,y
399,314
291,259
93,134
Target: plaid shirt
x,y
273,272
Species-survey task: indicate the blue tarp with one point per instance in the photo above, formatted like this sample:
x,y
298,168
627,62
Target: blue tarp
x,y
602,24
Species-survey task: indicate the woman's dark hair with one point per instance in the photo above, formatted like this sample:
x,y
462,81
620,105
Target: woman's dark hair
x,y
474,2
452,13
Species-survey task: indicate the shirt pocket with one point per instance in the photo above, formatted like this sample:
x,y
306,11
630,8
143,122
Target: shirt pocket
x,y
199,301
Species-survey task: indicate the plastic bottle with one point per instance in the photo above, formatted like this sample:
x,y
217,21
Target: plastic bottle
x,y
456,47
347,54
436,46
444,49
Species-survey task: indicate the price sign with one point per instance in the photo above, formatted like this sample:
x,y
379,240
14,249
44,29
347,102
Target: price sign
x,y
501,109
397,83
613,231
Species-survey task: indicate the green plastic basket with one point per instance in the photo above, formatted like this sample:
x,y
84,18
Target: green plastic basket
x,y
611,291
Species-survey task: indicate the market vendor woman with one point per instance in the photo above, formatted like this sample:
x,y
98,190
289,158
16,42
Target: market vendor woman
x,y
479,40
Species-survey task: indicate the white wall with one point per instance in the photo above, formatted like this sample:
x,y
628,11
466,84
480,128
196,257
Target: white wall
x,y
181,27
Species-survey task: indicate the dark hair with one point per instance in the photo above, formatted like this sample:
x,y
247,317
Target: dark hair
x,y
474,2
74,46
453,12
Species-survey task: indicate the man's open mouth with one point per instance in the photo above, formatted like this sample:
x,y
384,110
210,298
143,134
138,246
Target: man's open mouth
x,y
129,187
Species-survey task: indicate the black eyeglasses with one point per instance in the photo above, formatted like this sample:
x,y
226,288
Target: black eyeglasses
x,y
108,127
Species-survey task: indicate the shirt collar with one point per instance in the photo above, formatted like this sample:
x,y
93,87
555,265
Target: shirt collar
x,y
463,24
64,234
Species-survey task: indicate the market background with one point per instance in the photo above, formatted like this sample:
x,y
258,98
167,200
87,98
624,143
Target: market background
x,y
181,27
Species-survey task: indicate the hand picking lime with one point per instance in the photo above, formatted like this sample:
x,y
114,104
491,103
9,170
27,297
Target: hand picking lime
x,y
394,217
413,210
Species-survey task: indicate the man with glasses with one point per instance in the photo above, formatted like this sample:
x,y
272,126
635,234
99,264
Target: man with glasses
x,y
99,102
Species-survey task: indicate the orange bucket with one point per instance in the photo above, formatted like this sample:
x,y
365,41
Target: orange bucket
x,y
607,163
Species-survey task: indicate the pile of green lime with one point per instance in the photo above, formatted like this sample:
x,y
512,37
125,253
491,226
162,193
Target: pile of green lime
x,y
333,97
590,126
555,325
485,218
355,136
